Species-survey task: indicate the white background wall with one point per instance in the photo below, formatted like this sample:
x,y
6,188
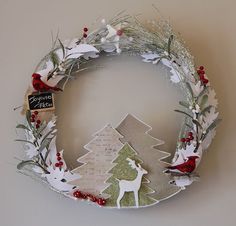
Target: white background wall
x,y
209,30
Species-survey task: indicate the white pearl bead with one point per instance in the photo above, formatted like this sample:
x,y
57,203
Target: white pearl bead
x,y
103,40
131,39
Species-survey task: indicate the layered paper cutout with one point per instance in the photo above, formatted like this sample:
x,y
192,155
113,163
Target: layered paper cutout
x,y
128,187
103,149
135,133
123,166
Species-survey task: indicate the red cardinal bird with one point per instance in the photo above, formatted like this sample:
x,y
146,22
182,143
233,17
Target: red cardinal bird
x,y
40,86
186,167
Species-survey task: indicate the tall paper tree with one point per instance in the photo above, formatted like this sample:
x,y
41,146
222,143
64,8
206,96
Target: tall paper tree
x,y
123,171
97,162
135,132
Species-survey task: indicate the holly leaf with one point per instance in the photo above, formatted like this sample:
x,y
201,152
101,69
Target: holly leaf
x,y
197,123
21,126
169,43
25,163
26,141
28,118
54,58
185,113
184,104
63,48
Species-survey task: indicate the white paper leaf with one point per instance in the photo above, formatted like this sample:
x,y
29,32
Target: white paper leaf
x,y
197,88
85,48
29,136
150,57
31,151
70,43
44,73
69,176
52,122
111,31
184,181
38,170
52,81
167,63
108,47
212,98
52,156
88,55
207,141
175,76
208,118
55,179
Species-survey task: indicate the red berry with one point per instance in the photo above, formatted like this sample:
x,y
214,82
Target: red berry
x,y
91,198
183,140
36,112
32,120
85,35
58,154
119,32
202,72
205,81
190,134
61,163
83,196
187,139
77,194
191,137
202,77
32,116
101,202
201,68
57,164
85,29
37,126
38,121
58,158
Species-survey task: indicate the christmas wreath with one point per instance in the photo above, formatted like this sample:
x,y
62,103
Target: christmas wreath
x,y
122,168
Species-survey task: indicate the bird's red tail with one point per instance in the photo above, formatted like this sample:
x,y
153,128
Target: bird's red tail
x,y
171,167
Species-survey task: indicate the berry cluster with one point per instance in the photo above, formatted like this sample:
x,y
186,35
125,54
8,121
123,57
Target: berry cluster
x,y
59,163
100,201
34,119
202,74
85,30
188,138
119,32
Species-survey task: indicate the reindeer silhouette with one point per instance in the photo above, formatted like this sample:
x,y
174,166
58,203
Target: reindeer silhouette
x,y
131,185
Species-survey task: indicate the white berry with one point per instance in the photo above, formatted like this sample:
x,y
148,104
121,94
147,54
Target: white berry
x,y
118,50
103,40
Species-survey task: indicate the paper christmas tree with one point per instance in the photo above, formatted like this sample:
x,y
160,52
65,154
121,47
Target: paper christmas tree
x,y
123,170
135,132
97,162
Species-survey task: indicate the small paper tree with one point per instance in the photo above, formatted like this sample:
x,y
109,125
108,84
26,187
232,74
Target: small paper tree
x,y
135,132
103,150
123,171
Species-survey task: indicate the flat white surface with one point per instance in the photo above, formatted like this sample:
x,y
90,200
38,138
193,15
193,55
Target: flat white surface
x,y
209,30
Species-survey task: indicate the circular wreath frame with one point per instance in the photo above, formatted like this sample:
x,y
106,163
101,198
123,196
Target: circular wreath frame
x,y
154,43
